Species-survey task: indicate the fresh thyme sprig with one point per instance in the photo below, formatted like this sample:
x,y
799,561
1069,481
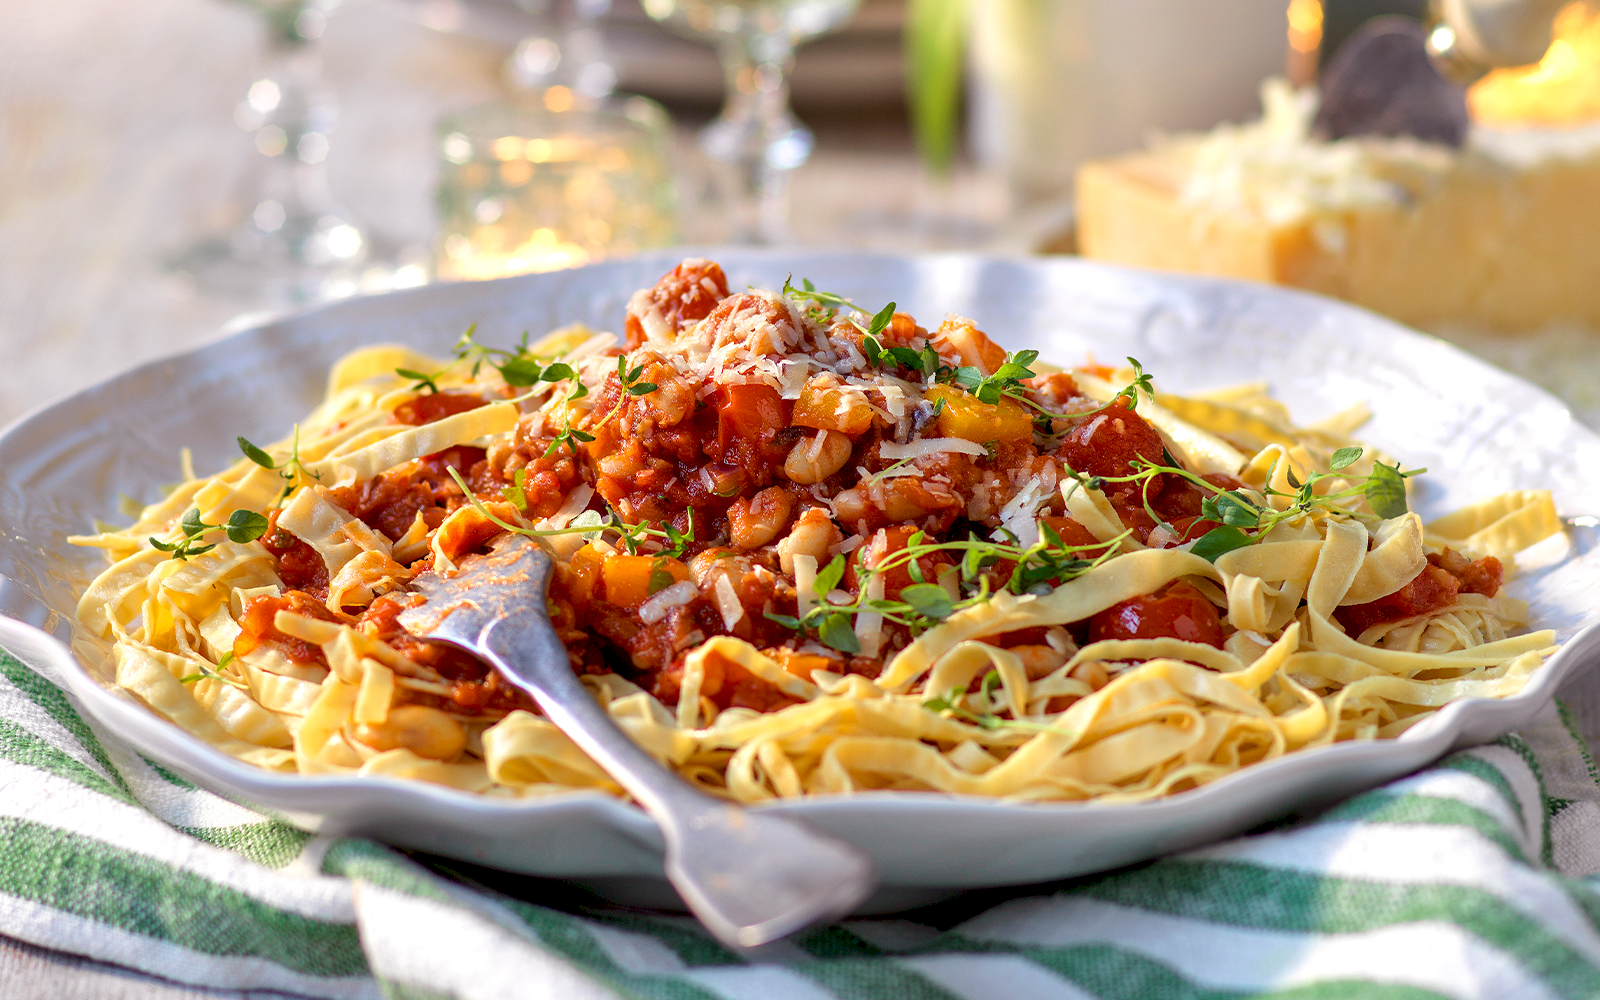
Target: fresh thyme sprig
x,y
207,670
629,379
826,305
923,604
291,470
951,702
1130,392
1242,520
241,526
423,379
568,435
632,536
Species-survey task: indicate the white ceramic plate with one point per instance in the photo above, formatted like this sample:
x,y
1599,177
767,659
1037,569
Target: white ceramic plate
x,y
1479,430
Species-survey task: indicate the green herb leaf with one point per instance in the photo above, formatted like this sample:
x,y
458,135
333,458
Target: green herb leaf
x,y
1386,491
1231,508
1220,540
1343,458
881,320
928,599
836,633
660,576
872,349
191,524
1141,380
256,455
423,379
245,526
640,388
829,577
787,621
522,372
514,493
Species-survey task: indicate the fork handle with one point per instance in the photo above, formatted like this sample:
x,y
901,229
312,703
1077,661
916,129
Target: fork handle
x,y
750,877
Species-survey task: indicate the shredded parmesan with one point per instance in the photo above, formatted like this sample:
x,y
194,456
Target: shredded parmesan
x,y
805,577
929,446
677,595
727,602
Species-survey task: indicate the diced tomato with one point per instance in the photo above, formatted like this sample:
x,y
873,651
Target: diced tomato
x,y
1481,577
1108,442
684,294
749,421
884,544
1056,387
1177,610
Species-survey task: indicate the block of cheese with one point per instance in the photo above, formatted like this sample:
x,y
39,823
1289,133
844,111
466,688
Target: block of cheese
x,y
1503,234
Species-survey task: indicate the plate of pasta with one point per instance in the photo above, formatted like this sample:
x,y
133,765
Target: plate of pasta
x,y
1003,570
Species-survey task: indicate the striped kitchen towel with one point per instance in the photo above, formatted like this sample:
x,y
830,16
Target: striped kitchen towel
x,y
1474,878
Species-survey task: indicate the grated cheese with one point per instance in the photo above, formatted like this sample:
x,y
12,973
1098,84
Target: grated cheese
x,y
805,578
869,624
677,595
1018,513
929,446
727,602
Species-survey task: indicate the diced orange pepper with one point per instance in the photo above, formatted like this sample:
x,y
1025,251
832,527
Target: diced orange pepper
x,y
627,578
970,344
802,664
965,416
583,572
819,407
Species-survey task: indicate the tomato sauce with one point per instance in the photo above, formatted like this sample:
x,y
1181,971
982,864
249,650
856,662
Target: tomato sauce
x,y
258,629
1447,575
298,565
432,406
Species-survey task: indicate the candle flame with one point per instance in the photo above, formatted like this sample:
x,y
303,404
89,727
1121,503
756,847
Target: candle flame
x,y
545,250
1563,88
1305,25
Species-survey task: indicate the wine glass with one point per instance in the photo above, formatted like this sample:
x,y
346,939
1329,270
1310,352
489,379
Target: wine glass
x,y
294,243
757,138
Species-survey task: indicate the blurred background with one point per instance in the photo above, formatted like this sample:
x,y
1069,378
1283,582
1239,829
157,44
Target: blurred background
x,y
172,167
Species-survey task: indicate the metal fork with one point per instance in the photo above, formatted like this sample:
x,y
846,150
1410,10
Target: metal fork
x,y
751,877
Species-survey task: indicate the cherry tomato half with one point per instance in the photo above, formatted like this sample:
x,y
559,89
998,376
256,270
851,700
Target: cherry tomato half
x,y
1177,610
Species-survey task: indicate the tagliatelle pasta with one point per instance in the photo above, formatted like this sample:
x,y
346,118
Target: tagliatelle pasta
x,y
807,550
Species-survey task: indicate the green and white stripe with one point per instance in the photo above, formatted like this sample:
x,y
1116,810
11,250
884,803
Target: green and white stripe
x,y
1474,878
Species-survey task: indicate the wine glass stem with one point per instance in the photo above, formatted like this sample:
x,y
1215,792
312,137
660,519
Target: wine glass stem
x,y
293,133
757,139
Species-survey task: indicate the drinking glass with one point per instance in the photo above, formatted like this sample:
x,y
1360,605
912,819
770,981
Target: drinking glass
x,y
294,243
757,139
549,181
